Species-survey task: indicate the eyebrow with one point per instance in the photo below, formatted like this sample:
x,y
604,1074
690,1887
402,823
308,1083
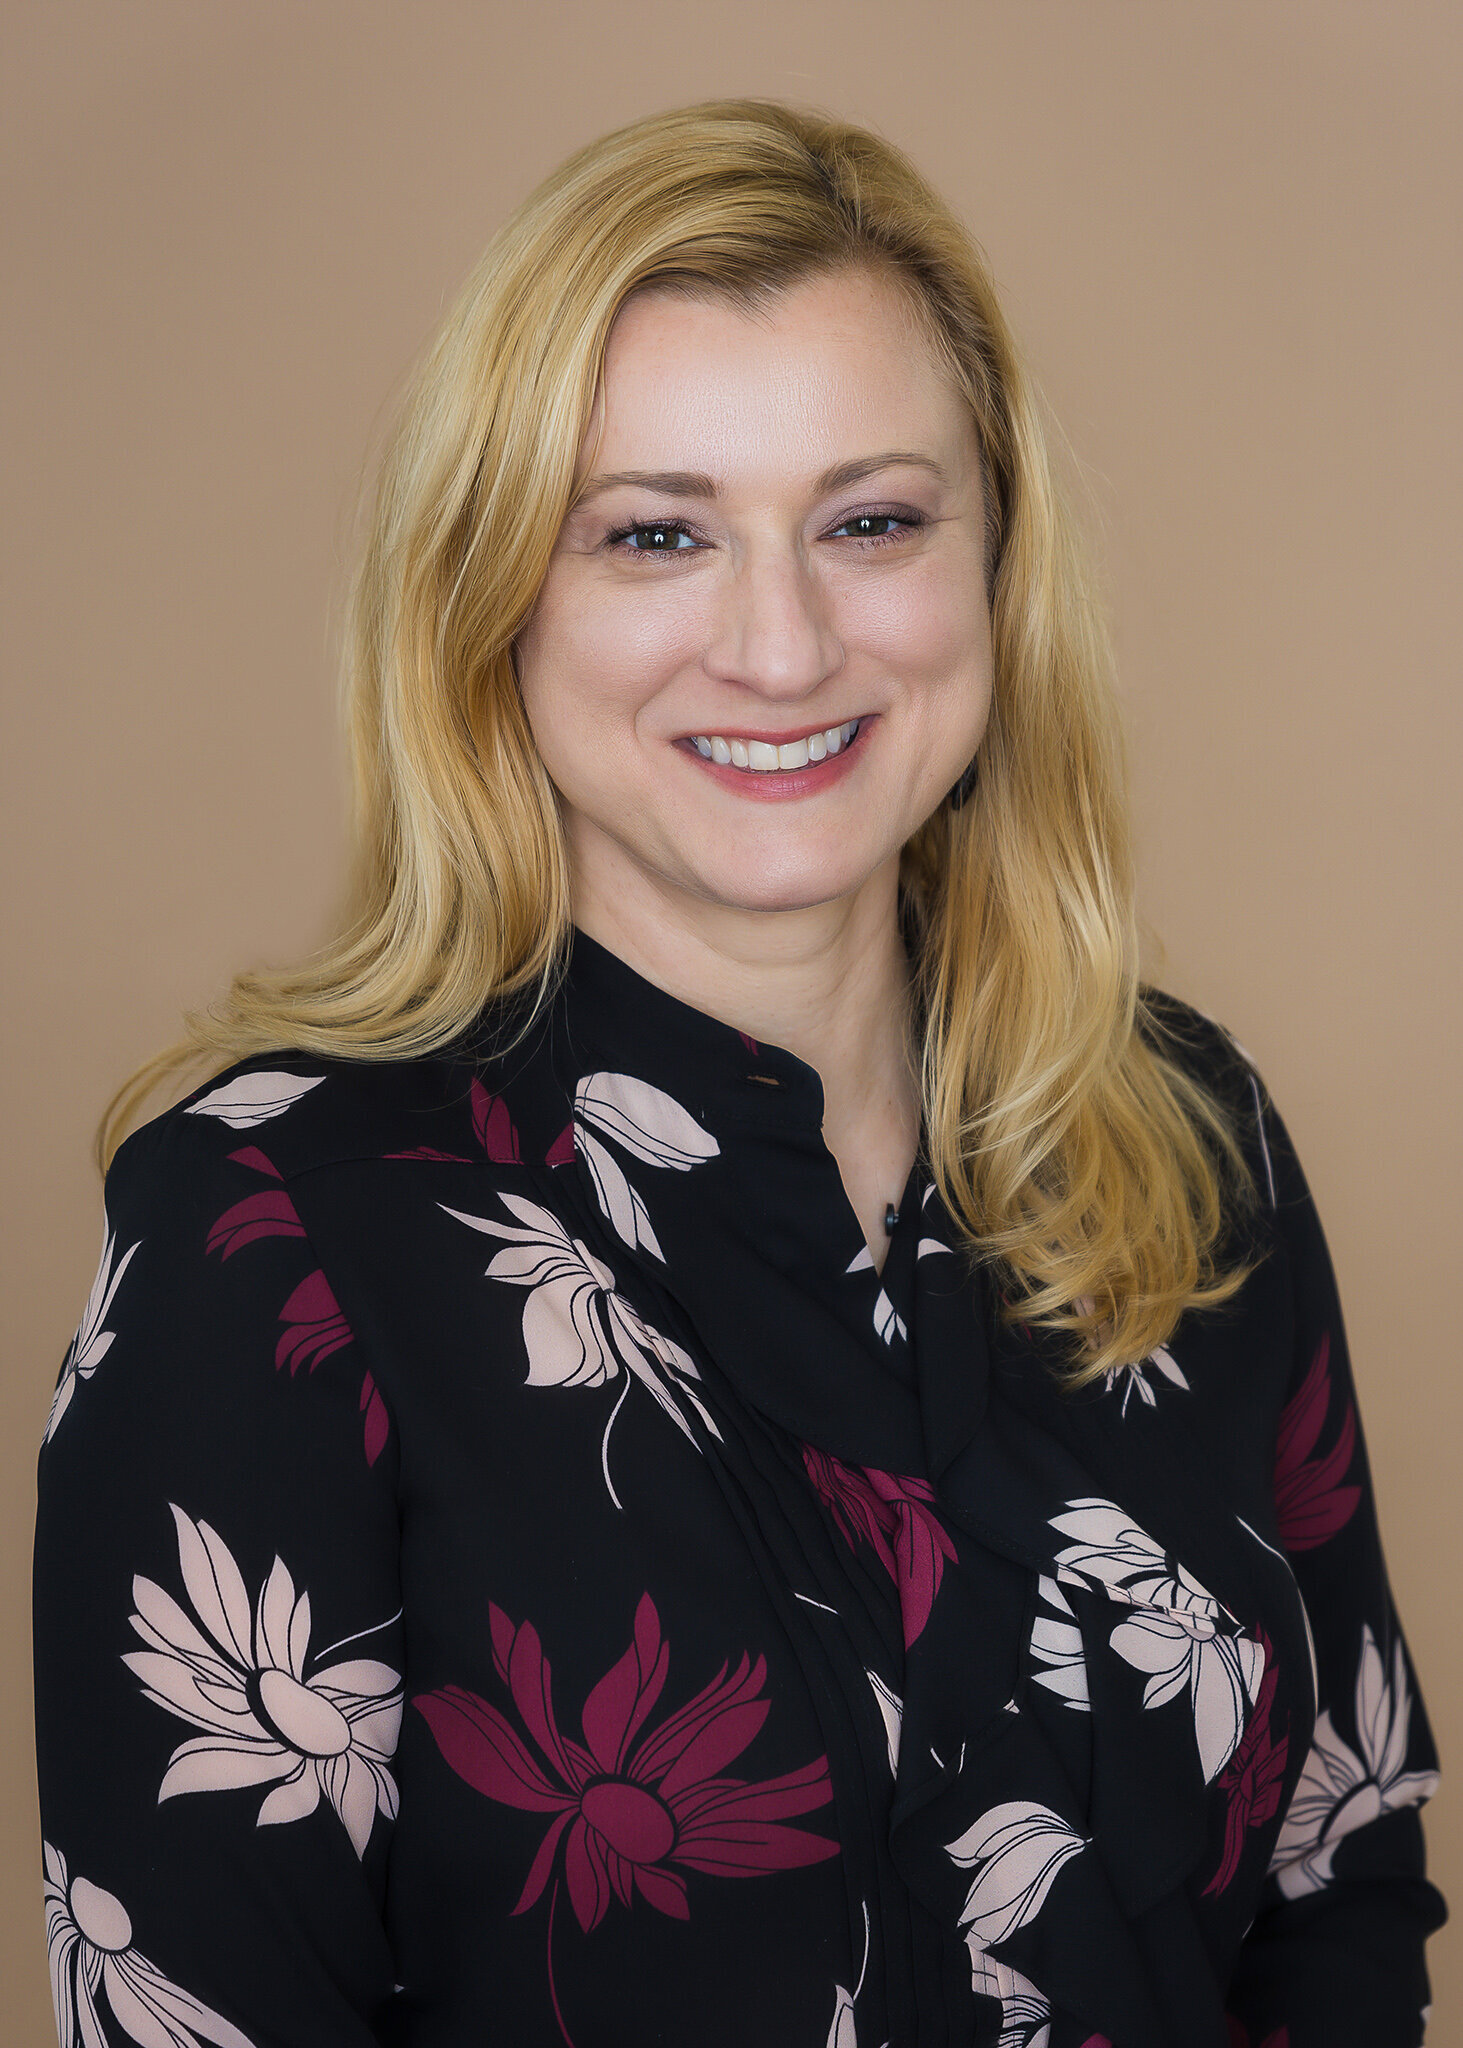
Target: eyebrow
x,y
695,483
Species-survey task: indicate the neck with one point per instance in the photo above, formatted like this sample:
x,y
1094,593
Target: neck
x,y
829,984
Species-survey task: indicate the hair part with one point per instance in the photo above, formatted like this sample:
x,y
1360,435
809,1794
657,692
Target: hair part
x,y
1074,1151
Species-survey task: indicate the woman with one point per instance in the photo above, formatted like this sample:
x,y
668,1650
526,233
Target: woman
x,y
714,1427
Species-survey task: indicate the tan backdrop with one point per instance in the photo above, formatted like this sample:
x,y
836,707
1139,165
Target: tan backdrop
x,y
1228,236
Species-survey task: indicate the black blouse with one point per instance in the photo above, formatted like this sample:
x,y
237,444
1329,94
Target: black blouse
x,y
509,1569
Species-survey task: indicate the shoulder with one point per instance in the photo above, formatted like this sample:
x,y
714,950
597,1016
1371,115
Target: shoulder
x,y
286,1113
1200,1045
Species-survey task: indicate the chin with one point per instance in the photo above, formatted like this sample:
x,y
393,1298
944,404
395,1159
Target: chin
x,y
802,890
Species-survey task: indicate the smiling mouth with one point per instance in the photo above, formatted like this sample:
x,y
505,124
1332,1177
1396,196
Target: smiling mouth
x,y
762,757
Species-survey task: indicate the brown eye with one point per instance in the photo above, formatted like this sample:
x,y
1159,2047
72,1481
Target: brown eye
x,y
655,538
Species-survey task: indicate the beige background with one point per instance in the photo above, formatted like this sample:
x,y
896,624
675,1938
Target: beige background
x,y
1228,237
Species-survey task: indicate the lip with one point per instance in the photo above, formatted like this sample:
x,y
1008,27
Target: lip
x,y
781,785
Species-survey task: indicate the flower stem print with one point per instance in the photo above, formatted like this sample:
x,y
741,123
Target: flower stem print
x,y
632,1805
1311,1502
578,1330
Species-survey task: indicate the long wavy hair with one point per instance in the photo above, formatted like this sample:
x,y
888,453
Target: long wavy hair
x,y
1078,1153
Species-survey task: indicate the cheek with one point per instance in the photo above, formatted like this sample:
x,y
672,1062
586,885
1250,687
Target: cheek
x,y
588,658
928,625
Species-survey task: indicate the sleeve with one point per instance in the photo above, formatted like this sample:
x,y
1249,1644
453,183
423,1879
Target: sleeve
x,y
217,1625
1334,1956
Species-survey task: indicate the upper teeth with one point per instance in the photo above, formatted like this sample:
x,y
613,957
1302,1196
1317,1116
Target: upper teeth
x,y
763,757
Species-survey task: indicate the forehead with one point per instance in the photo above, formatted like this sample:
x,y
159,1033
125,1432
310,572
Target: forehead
x,y
834,366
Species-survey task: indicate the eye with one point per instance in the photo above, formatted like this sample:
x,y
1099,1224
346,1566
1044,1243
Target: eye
x,y
653,537
879,529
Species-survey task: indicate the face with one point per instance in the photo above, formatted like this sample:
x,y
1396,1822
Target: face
x,y
761,655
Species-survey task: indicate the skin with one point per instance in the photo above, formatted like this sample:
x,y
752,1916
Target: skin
x,y
769,611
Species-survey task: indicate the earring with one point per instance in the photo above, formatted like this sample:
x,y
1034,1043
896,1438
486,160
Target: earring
x,y
961,793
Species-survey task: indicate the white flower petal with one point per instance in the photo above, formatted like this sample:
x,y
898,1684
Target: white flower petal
x,y
563,1339
350,1786
645,1120
891,1708
215,1586
296,1799
160,1621
207,1764
189,2020
842,2033
1220,1698
1373,1703
1022,2005
177,1685
375,1733
88,1976
619,1201
276,1614
1020,1847
362,1678
253,1098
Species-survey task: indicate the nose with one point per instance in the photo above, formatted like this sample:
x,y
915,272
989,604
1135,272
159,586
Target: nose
x,y
773,631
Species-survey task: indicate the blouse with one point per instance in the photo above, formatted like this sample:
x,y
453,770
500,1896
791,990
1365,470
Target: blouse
x,y
509,1569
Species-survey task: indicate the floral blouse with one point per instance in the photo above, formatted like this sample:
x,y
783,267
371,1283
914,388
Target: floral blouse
x,y
510,1569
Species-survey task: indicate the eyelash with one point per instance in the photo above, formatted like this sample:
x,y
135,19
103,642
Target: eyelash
x,y
912,522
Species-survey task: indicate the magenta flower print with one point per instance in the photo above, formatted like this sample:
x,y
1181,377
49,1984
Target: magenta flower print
x,y
1311,1502
315,1328
314,1325
270,1213
494,1126
377,1426
633,1804
1253,1778
895,1516
1239,2035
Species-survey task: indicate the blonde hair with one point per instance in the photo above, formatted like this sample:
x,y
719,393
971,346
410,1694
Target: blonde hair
x,y
1094,1169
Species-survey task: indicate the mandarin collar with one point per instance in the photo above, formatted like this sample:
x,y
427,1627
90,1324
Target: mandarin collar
x,y
612,1019
759,1245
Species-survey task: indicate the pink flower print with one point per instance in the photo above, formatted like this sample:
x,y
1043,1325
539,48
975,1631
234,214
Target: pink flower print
x,y
1311,1504
316,1327
270,1213
633,1804
561,1152
252,1099
1253,1777
894,1516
